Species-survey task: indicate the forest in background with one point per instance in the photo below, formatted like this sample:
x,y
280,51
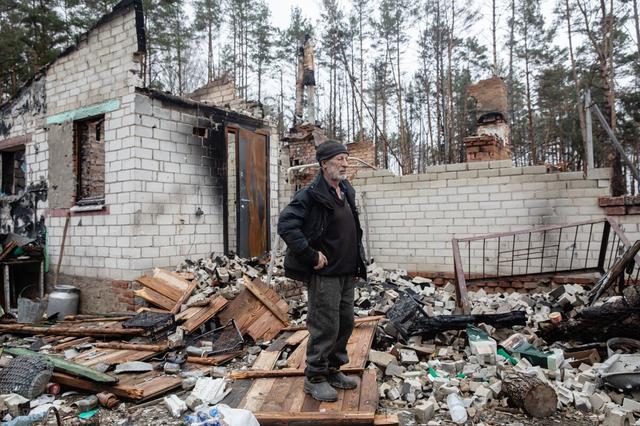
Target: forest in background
x,y
394,72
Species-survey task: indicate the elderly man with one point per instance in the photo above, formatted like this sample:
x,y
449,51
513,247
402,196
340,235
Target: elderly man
x,y
324,249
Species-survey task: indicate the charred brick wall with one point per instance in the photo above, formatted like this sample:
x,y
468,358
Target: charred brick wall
x,y
412,219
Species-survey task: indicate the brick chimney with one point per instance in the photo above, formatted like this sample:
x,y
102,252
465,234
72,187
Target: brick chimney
x,y
492,139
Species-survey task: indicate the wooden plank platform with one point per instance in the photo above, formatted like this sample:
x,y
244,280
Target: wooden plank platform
x,y
279,398
282,401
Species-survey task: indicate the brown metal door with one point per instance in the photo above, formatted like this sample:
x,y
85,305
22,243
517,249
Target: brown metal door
x,y
253,193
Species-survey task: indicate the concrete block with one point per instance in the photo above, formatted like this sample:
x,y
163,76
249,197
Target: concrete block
x,y
425,411
394,370
484,393
618,417
597,401
408,356
582,402
631,405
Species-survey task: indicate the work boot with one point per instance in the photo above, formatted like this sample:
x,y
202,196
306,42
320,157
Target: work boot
x,y
339,380
320,390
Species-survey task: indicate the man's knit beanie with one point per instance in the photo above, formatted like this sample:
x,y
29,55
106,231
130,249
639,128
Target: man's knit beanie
x,y
329,149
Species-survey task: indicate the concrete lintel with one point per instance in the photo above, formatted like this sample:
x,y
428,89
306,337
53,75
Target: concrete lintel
x,y
84,112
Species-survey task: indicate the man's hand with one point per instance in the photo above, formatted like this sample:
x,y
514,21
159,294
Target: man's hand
x,y
322,261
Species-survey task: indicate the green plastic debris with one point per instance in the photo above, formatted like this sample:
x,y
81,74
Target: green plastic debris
x,y
432,372
476,334
461,375
548,360
88,414
506,355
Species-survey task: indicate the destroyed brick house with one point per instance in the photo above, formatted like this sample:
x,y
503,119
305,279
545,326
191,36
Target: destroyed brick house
x,y
146,178
108,180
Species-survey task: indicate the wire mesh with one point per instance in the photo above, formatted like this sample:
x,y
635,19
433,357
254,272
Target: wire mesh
x,y
26,376
223,339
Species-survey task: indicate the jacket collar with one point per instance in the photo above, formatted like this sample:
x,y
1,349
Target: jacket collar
x,y
320,191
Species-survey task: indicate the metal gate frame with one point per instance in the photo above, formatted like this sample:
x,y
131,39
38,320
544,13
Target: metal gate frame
x,y
609,248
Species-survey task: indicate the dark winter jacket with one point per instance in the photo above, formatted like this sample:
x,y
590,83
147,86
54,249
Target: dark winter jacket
x,y
304,221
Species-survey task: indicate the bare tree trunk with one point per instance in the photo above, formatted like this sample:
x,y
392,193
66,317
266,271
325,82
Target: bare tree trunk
x,y
604,52
510,88
576,83
404,148
441,140
532,135
385,143
361,111
636,23
429,125
493,36
450,83
376,141
210,53
334,127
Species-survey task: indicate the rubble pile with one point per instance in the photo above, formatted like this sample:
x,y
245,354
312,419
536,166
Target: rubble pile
x,y
223,275
213,317
420,373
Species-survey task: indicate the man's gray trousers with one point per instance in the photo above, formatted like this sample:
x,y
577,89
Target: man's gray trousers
x,y
330,323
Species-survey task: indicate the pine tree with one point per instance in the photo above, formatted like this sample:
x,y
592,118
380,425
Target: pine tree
x,y
261,45
208,18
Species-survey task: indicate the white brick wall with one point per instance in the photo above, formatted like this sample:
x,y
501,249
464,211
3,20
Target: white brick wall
x,y
412,219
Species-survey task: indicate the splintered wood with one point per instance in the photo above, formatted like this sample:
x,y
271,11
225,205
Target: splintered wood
x,y
165,289
258,311
357,348
135,386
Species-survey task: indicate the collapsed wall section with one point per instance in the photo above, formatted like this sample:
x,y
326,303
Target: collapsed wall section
x,y
412,219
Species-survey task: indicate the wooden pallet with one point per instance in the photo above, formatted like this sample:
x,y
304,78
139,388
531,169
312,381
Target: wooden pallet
x,y
282,401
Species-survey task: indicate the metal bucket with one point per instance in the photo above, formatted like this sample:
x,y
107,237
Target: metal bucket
x,y
30,311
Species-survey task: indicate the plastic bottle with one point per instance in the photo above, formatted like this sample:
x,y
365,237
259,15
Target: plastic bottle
x,y
456,408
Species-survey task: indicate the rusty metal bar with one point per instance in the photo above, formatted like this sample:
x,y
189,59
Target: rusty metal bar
x,y
611,256
498,260
461,286
603,245
555,268
526,267
586,258
573,250
484,256
538,229
513,246
544,241
532,276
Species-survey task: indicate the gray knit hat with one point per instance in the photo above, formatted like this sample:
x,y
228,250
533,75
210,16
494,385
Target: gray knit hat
x,y
329,149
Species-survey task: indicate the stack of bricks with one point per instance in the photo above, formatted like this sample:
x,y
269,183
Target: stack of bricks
x,y
619,206
365,151
222,92
486,147
98,293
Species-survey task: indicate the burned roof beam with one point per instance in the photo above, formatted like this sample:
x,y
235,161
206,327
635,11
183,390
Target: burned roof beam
x,y
217,113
